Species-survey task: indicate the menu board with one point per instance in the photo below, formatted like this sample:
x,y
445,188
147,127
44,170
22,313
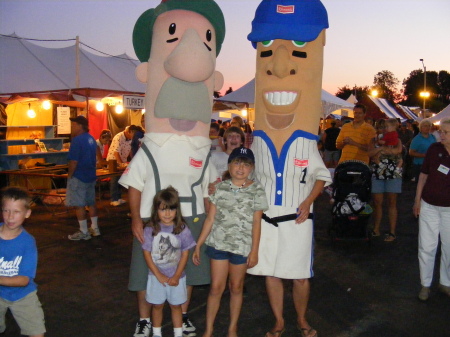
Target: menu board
x,y
63,115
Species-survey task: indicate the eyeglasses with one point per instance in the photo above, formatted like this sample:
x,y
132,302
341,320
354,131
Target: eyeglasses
x,y
442,132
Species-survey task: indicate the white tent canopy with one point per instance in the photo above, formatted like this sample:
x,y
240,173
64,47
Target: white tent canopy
x,y
444,113
27,67
386,108
246,94
352,99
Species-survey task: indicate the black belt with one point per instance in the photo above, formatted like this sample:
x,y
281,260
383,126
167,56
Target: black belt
x,y
274,221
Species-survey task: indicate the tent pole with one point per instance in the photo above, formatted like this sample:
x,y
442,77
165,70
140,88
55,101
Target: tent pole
x,y
77,62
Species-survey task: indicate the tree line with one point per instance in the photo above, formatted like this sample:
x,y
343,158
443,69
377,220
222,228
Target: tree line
x,y
386,84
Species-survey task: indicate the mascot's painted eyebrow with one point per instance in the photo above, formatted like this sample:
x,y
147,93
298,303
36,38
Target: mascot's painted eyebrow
x,y
266,53
300,54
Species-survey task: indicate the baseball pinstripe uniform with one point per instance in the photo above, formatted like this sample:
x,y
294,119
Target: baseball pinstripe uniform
x,y
286,251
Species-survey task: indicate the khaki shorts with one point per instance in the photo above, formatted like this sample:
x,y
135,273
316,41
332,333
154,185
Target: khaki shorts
x,y
27,312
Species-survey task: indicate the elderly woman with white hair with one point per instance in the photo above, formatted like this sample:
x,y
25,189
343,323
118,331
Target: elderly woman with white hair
x,y
420,145
432,206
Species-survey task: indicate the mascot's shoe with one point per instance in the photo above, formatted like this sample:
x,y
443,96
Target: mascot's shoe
x,y
444,289
424,294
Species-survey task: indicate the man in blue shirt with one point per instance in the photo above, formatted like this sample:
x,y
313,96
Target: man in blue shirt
x,y
82,178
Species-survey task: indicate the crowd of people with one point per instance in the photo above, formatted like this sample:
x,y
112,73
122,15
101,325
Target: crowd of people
x,y
230,234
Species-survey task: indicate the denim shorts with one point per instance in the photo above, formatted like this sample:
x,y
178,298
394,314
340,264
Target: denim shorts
x,y
80,194
216,254
387,186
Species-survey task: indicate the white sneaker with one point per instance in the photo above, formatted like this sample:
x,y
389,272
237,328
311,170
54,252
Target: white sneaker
x,y
80,236
189,329
142,329
94,231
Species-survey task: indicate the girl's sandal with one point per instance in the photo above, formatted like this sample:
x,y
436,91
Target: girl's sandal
x,y
390,237
307,332
277,333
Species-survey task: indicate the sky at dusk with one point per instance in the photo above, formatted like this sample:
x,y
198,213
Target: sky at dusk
x,y
365,36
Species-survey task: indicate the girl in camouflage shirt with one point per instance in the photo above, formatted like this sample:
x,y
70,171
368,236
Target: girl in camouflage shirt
x,y
232,231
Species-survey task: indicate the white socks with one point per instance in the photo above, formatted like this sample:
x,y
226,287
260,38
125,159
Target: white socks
x,y
83,226
94,225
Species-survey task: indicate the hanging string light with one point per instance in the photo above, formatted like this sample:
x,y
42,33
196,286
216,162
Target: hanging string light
x,y
31,113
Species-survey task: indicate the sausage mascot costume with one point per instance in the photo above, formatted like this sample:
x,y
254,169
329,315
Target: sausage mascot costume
x,y
289,37
178,42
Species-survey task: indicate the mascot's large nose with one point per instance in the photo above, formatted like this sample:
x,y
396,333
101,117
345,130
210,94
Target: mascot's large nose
x,y
191,60
281,66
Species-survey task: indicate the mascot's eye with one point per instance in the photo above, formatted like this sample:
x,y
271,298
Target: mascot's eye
x,y
208,35
267,43
299,44
172,28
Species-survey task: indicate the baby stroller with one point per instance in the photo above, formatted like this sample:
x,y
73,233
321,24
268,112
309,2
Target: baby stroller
x,y
351,194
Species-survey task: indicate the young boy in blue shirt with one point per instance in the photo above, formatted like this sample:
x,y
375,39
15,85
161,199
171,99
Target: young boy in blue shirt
x,y
18,263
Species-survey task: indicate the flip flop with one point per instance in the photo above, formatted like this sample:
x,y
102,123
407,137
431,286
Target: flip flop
x,y
390,237
308,332
277,333
374,234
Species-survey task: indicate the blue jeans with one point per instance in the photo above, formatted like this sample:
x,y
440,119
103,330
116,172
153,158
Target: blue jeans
x,y
114,188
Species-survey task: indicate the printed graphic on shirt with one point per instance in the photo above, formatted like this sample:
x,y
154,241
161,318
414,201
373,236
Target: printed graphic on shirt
x,y
10,268
166,251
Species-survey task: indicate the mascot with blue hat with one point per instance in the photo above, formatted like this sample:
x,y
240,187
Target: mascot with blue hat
x,y
289,37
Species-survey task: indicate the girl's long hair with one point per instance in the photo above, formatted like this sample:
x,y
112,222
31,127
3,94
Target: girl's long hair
x,y
168,198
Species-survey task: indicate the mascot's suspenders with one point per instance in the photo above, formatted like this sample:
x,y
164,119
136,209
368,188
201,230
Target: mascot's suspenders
x,y
193,198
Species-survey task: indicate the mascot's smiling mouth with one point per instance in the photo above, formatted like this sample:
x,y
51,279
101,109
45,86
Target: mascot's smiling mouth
x,y
280,107
281,97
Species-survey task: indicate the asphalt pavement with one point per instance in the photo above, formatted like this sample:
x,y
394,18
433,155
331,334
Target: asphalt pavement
x,y
359,288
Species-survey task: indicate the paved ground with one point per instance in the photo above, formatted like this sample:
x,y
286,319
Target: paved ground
x,y
358,289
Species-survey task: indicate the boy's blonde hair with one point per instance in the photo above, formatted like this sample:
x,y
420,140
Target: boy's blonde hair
x,y
16,193
392,122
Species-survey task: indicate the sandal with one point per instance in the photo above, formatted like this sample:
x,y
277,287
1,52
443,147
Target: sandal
x,y
390,237
277,333
308,332
374,234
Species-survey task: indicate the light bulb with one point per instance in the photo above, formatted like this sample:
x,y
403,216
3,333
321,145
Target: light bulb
x,y
119,108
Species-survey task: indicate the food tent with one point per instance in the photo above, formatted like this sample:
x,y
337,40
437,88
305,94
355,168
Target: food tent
x,y
444,113
70,76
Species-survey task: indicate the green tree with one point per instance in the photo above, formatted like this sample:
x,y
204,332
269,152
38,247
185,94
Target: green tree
x,y
438,85
386,84
345,92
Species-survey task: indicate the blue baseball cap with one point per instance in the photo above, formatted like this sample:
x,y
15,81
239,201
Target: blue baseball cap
x,y
241,152
298,20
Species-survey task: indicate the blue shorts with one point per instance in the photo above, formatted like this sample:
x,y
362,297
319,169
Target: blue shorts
x,y
216,254
80,194
158,293
387,186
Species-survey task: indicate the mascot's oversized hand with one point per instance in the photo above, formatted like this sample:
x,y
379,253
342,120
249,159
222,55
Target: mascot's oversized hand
x,y
178,42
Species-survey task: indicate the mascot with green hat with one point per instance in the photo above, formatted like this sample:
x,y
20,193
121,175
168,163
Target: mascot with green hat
x,y
177,43
289,37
